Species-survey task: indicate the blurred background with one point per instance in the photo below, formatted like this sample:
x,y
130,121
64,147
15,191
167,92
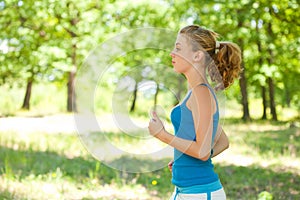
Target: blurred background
x,y
43,44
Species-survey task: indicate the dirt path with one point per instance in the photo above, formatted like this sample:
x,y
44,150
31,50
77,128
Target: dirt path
x,y
48,124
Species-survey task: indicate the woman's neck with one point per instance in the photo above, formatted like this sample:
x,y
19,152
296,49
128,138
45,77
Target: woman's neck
x,y
195,77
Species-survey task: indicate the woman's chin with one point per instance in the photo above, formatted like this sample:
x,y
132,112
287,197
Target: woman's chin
x,y
175,70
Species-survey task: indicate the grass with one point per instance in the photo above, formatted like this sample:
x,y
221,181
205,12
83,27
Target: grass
x,y
263,157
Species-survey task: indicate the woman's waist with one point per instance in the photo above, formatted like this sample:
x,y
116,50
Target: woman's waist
x,y
192,171
192,163
183,159
200,188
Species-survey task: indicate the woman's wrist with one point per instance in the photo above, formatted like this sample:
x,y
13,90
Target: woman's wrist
x,y
165,136
160,134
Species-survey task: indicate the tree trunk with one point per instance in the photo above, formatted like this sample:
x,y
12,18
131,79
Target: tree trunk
x,y
260,63
270,80
272,99
287,97
134,97
71,93
264,101
243,80
26,101
243,86
71,100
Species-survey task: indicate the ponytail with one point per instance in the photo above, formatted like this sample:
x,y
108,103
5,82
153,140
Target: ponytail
x,y
227,59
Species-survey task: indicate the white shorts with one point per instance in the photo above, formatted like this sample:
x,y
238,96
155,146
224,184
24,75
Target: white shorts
x,y
215,195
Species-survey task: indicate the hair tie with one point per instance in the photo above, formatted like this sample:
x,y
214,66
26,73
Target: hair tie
x,y
217,48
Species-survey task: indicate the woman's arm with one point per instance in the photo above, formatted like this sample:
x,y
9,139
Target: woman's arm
x,y
191,147
221,143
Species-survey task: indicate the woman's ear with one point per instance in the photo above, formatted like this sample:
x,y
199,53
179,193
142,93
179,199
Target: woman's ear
x,y
198,55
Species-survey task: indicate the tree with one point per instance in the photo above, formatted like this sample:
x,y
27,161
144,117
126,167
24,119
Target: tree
x,y
48,40
26,35
75,21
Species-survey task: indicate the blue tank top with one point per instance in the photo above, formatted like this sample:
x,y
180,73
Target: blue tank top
x,y
187,170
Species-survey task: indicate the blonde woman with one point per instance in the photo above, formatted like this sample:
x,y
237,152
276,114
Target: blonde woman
x,y
198,135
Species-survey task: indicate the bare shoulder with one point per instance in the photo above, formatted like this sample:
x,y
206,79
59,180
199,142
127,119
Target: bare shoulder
x,y
200,93
201,90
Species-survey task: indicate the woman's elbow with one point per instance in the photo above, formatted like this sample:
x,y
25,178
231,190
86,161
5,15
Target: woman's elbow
x,y
227,144
204,157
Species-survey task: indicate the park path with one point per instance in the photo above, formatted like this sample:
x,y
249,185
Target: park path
x,y
63,123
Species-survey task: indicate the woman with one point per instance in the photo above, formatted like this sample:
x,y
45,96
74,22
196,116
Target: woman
x,y
198,135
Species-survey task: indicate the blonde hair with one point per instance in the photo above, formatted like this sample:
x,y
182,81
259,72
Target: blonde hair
x,y
224,64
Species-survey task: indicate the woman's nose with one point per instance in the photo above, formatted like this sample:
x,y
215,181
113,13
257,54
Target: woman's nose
x,y
172,54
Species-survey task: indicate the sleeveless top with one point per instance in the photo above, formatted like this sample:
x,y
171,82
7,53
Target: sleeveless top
x,y
187,170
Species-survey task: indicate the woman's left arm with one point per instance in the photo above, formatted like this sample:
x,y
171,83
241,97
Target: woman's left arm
x,y
221,143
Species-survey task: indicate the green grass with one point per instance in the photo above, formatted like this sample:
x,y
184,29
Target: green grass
x,y
262,157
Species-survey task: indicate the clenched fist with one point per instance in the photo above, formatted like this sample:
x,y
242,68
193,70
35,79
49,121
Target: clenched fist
x,y
155,125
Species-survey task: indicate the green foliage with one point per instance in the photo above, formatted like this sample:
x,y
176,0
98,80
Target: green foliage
x,y
45,40
40,39
265,196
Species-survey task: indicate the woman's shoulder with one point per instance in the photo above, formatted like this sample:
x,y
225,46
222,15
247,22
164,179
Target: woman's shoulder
x,y
198,93
201,90
201,95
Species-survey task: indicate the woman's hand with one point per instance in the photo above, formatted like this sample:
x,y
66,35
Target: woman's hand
x,y
170,165
156,126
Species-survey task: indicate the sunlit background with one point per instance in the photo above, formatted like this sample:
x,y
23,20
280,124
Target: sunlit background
x,y
43,45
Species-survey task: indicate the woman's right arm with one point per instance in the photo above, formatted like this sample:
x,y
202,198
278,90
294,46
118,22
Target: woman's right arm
x,y
221,143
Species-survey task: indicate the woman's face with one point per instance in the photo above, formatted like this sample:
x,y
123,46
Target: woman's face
x,y
182,54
